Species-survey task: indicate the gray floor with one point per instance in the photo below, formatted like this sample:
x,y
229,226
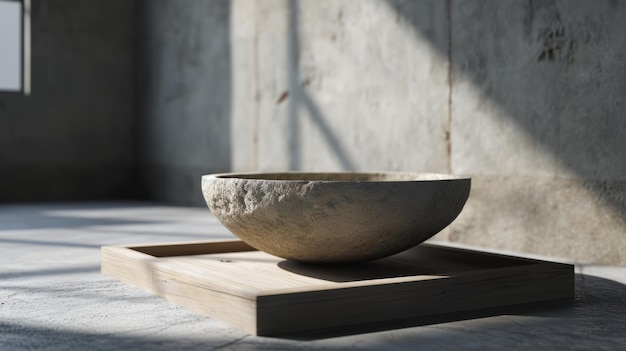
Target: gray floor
x,y
52,295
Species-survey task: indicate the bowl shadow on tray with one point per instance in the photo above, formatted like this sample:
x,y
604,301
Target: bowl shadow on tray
x,y
421,260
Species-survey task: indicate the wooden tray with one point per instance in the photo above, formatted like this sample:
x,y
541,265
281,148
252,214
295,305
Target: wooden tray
x,y
266,295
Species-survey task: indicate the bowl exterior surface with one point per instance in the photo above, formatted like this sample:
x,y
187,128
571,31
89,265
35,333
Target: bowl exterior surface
x,y
327,221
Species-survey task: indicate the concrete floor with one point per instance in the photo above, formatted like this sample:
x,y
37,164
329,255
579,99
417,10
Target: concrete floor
x,y
53,297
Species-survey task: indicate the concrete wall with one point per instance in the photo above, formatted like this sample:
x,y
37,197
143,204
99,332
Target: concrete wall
x,y
71,139
526,97
338,85
184,93
538,118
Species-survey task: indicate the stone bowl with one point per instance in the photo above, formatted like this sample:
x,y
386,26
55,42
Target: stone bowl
x,y
334,217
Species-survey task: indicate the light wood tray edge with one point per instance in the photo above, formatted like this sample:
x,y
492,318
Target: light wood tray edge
x,y
280,311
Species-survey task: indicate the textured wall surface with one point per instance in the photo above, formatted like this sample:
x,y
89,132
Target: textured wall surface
x,y
525,97
183,96
339,85
538,119
71,138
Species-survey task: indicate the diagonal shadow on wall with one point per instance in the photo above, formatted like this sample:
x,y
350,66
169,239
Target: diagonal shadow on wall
x,y
301,99
555,69
551,71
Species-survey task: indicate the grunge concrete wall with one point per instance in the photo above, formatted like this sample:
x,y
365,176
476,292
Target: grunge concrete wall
x,y
72,138
183,92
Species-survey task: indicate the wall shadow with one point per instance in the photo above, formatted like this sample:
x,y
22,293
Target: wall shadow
x,y
47,272
557,71
46,221
24,337
91,225
301,100
71,138
183,96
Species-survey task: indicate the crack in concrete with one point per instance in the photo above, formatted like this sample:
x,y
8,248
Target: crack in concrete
x,y
448,132
257,97
221,347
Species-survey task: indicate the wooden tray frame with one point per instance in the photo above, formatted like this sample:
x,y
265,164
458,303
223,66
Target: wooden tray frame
x,y
484,280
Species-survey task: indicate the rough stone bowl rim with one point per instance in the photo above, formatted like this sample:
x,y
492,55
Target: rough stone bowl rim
x,y
262,176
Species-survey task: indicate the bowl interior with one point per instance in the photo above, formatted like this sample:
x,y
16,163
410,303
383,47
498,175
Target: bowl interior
x,y
343,176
